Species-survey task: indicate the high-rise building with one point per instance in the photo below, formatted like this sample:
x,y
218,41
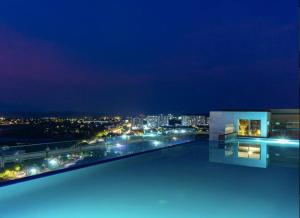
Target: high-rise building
x,y
152,122
163,120
193,120
137,123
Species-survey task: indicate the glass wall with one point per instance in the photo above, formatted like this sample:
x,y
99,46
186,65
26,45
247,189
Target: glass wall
x,y
18,162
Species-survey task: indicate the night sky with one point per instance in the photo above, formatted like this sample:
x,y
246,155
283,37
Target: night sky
x,y
133,56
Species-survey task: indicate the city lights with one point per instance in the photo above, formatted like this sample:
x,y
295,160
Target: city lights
x,y
118,145
150,135
156,143
33,171
53,162
146,127
92,142
149,109
124,136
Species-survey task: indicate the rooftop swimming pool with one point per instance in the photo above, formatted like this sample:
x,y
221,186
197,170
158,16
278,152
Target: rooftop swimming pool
x,y
238,179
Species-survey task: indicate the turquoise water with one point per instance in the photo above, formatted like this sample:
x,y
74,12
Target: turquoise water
x,y
181,181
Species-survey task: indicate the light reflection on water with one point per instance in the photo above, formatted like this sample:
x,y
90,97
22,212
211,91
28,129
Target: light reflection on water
x,y
177,182
254,153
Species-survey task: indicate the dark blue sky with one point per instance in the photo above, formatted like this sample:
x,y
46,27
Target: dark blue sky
x,y
148,56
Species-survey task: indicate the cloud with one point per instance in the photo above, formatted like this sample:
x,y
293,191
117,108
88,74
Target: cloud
x,y
27,64
27,60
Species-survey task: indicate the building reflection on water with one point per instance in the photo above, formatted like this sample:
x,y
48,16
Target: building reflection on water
x,y
252,153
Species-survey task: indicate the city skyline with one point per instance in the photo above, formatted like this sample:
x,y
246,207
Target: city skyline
x,y
158,57
152,109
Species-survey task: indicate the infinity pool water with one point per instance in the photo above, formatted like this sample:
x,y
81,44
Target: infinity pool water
x,y
180,181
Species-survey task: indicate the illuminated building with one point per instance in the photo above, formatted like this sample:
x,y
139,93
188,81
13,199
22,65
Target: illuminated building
x,y
152,122
137,123
163,120
260,124
193,120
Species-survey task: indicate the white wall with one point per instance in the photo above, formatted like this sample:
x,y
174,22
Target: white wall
x,y
264,117
219,119
217,123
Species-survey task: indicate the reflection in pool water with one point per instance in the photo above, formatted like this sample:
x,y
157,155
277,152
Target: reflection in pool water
x,y
177,182
254,153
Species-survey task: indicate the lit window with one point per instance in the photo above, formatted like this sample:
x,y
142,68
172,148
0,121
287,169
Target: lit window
x,y
249,127
249,151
